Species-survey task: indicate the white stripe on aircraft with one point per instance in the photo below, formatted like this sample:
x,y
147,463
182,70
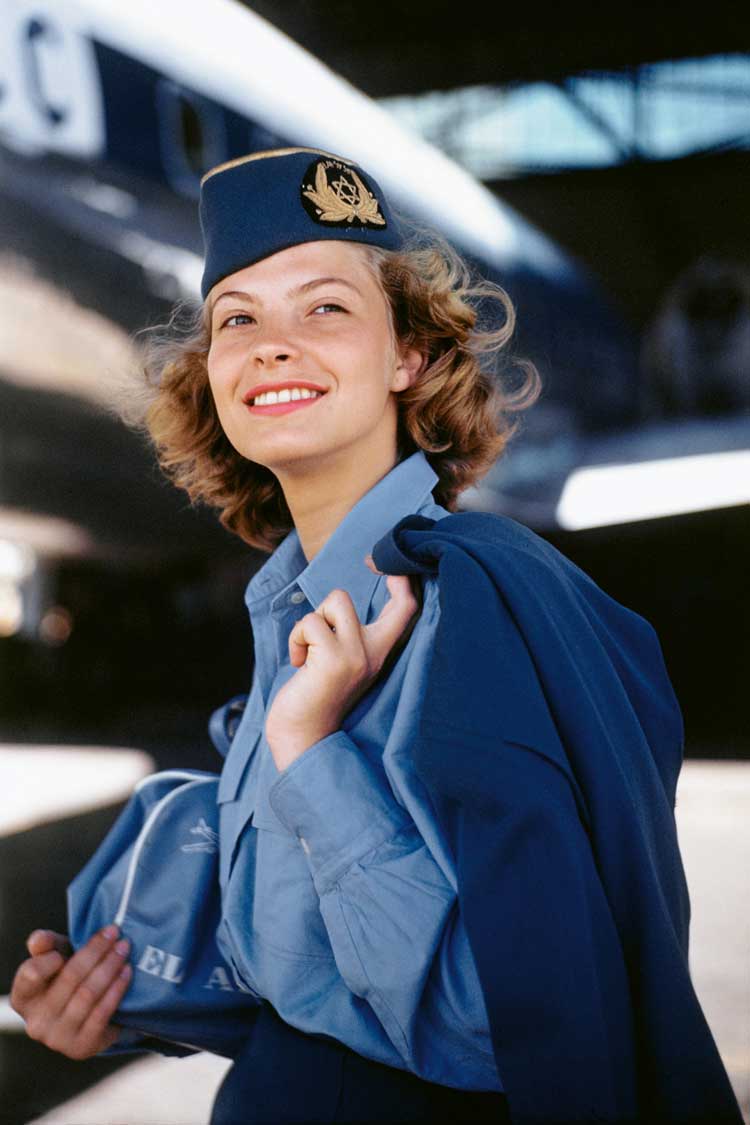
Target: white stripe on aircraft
x,y
230,54
600,495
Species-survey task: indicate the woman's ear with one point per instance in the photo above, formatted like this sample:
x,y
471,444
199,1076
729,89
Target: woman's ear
x,y
411,362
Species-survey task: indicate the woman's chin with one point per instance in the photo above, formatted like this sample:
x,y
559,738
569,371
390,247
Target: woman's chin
x,y
286,456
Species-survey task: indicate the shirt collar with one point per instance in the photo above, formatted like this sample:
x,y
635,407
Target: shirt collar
x,y
340,562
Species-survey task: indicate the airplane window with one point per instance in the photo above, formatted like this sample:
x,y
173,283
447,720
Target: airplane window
x,y
191,132
192,136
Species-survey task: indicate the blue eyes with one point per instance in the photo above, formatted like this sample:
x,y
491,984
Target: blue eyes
x,y
328,305
246,318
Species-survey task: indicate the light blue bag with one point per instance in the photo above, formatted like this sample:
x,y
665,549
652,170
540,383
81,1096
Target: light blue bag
x,y
156,877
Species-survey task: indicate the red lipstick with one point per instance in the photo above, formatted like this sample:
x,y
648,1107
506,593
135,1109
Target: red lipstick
x,y
282,407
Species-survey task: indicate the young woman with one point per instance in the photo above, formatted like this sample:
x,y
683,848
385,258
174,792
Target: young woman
x,y
334,384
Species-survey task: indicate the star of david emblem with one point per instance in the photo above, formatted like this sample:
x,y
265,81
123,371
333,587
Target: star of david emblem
x,y
346,191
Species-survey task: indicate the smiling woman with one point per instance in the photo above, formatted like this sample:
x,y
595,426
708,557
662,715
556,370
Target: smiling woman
x,y
394,332
447,802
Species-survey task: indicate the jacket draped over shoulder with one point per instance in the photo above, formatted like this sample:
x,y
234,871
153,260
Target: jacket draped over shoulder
x,y
551,730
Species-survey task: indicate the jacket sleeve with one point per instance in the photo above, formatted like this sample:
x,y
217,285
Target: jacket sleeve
x,y
391,915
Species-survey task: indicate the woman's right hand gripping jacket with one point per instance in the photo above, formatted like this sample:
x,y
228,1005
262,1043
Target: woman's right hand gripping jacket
x,y
68,999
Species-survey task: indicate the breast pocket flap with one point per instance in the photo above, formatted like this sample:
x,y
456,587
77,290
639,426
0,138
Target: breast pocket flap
x,y
236,764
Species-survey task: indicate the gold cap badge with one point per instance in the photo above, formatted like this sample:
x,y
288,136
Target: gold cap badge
x,y
333,193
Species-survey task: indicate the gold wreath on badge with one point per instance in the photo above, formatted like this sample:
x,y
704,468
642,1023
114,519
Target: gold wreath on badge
x,y
343,200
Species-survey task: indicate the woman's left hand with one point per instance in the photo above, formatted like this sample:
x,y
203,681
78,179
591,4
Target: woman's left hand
x,y
337,659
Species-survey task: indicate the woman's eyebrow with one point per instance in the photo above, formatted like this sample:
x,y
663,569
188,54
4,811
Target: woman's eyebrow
x,y
323,281
304,288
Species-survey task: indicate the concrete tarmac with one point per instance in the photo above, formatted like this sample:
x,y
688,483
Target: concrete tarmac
x,y
713,818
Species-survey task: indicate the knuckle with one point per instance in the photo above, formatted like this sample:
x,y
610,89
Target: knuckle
x,y
69,978
29,973
93,949
36,1027
108,968
55,961
86,995
74,971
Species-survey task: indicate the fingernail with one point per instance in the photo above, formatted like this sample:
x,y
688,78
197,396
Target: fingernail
x,y
122,947
110,932
35,935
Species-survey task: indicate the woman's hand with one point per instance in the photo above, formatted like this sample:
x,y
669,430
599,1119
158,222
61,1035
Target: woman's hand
x,y
68,999
338,660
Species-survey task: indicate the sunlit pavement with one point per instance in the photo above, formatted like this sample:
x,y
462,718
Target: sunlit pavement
x,y
713,816
713,821
152,1091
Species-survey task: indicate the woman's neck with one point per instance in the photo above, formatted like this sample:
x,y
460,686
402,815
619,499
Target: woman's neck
x,y
319,502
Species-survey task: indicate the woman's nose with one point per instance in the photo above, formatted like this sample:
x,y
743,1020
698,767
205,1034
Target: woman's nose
x,y
267,355
273,346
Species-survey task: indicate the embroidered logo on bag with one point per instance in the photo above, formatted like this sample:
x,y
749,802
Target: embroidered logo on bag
x,y
209,841
333,193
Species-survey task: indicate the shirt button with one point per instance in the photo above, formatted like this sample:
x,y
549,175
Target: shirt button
x,y
305,845
296,597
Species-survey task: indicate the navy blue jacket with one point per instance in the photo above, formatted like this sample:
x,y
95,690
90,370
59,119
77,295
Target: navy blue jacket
x,y
551,733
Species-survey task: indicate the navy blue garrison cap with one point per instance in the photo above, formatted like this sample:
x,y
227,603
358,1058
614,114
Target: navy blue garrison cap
x,y
256,205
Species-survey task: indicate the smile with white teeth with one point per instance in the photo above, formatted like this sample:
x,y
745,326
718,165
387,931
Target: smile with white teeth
x,y
288,394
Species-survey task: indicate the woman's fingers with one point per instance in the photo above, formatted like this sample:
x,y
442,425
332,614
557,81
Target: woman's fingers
x,y
87,973
335,626
68,1005
383,633
338,610
32,978
98,1027
94,1032
90,991
335,620
42,941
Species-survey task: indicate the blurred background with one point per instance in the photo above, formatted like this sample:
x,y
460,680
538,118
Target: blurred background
x,y
596,164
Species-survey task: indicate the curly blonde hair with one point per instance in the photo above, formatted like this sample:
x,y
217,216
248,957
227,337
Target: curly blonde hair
x,y
458,411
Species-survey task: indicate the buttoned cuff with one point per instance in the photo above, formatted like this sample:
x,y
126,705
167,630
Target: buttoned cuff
x,y
339,806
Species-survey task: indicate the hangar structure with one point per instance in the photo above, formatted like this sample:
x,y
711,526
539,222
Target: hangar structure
x,y
636,219
393,48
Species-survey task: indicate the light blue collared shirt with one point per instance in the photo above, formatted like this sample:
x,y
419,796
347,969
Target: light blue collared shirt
x,y
339,890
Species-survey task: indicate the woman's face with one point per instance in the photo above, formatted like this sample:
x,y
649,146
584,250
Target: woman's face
x,y
311,316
